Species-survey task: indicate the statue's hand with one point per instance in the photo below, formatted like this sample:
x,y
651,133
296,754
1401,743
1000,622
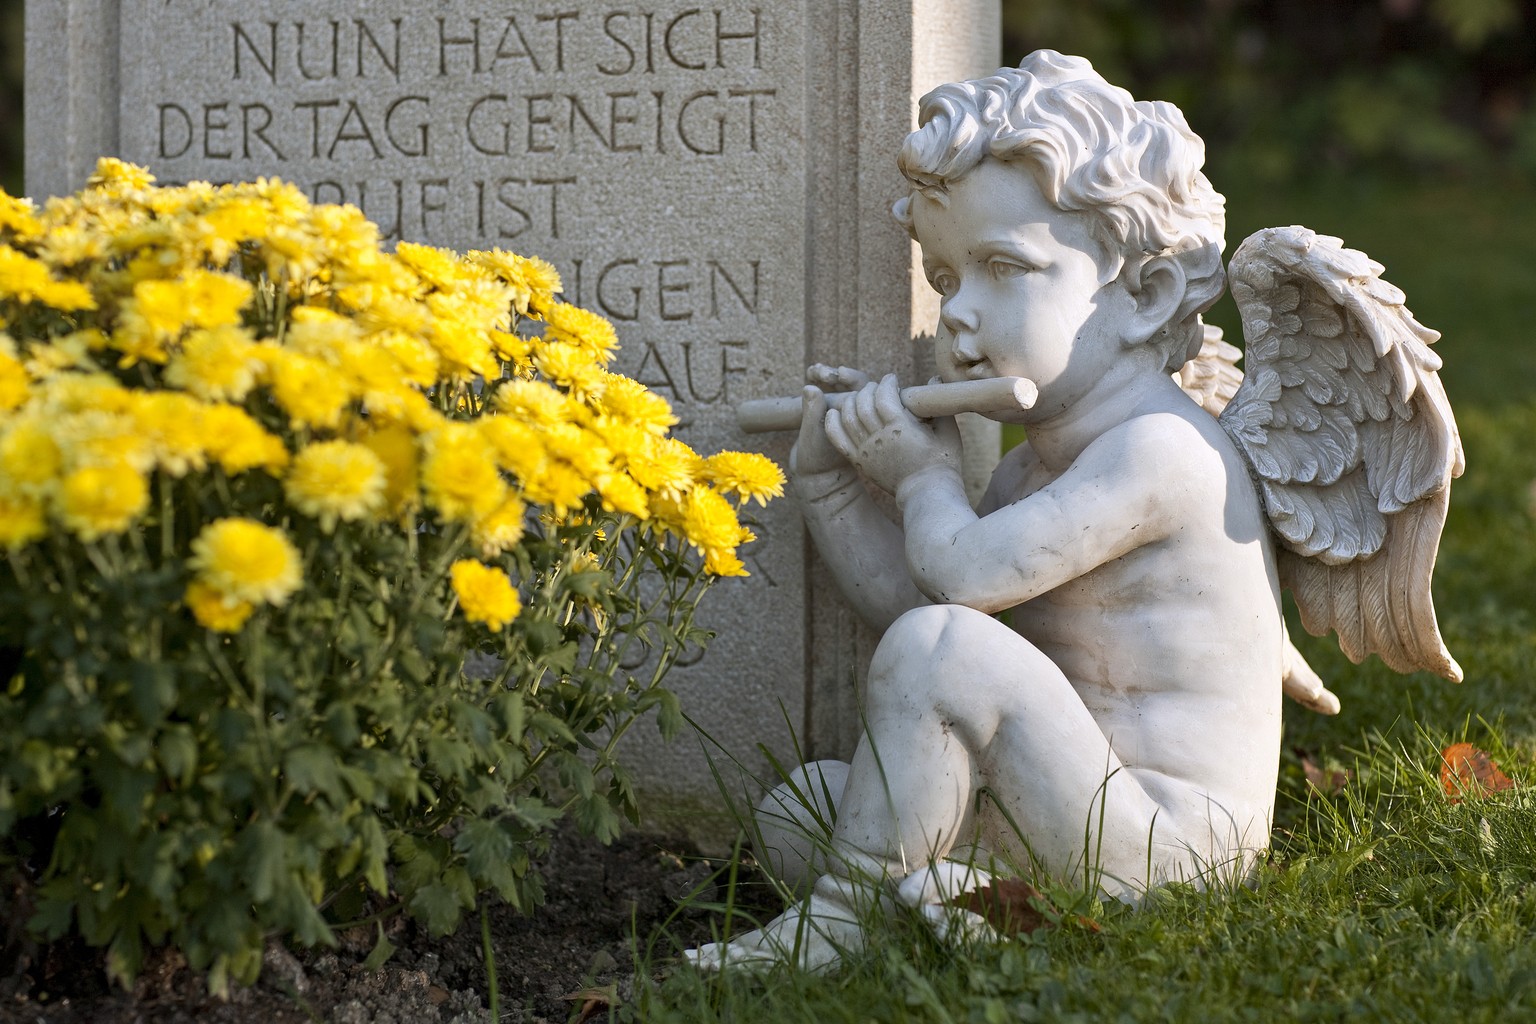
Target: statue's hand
x,y
880,436
813,455
836,378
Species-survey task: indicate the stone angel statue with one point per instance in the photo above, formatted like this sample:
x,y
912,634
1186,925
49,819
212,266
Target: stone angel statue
x,y
1083,671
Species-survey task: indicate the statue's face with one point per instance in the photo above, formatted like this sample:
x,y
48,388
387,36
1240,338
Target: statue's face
x,y
1021,288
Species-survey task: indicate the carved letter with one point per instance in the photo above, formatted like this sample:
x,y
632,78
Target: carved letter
x,y
504,148
186,126
629,51
270,64
422,127
391,63
608,307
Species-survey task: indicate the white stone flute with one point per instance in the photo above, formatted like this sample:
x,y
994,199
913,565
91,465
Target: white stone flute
x,y
925,401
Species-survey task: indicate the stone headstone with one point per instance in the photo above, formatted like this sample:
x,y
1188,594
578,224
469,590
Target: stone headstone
x,y
715,179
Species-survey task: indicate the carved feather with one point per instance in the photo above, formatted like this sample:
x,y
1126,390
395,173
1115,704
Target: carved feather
x,y
1346,426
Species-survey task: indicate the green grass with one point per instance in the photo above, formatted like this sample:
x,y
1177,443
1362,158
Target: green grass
x,y
1386,901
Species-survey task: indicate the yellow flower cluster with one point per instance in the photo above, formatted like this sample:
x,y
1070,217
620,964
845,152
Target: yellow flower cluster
x,y
486,594
160,334
239,564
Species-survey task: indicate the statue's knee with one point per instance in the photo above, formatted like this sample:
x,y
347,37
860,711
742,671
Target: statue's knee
x,y
926,632
795,822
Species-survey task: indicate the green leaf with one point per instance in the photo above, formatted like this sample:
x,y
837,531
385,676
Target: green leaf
x,y
312,768
176,749
669,716
383,949
153,685
484,845
436,906
260,850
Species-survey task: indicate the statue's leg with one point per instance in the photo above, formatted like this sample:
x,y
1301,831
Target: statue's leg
x,y
956,702
959,704
792,826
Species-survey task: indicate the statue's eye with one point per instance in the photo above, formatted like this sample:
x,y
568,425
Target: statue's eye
x,y
1007,268
945,283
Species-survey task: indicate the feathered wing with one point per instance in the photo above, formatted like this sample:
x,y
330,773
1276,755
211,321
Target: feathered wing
x,y
1344,421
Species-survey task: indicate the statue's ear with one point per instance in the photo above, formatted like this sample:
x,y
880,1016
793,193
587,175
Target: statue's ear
x,y
1158,288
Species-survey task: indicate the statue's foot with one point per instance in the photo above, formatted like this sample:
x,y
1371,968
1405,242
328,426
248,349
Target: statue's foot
x,y
813,936
934,892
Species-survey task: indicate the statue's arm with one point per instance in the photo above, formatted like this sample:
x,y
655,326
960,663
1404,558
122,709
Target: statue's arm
x,y
1117,496
860,545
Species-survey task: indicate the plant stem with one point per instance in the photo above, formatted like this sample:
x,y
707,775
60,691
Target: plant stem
x,y
490,963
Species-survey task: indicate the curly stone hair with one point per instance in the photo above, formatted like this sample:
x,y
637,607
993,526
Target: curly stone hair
x,y
1132,168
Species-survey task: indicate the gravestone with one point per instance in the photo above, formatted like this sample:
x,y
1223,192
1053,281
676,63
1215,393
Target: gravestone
x,y
714,179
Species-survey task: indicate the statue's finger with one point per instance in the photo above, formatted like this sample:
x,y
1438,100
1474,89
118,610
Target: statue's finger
x,y
837,434
888,399
864,408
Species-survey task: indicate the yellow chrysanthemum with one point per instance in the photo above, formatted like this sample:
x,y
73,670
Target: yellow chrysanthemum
x,y
247,561
533,282
395,448
719,562
748,475
237,442
416,359
583,330
620,493
502,528
217,365
311,392
568,367
627,399
534,402
30,459
519,446
667,467
459,474
216,610
19,217
336,480
543,284
112,174
161,310
21,520
28,280
172,426
14,384
320,332
485,594
96,437
709,522
437,267
98,500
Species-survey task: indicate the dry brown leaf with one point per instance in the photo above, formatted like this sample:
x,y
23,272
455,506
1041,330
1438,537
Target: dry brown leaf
x,y
594,1001
1466,770
1329,781
1009,905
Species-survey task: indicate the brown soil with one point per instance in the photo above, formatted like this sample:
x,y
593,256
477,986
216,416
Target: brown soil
x,y
573,954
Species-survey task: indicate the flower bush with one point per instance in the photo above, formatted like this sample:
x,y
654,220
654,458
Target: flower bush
x,y
263,487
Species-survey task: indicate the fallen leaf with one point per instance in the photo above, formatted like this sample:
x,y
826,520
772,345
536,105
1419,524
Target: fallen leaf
x,y
1328,781
594,1001
1009,905
1466,770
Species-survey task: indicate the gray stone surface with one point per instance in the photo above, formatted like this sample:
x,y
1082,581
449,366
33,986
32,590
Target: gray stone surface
x,y
716,179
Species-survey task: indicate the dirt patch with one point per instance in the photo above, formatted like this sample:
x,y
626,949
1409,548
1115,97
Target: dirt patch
x,y
600,901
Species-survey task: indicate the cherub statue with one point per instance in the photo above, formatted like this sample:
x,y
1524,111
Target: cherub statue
x,y
1084,672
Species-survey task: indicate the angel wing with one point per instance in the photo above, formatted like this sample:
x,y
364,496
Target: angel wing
x,y
1343,419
